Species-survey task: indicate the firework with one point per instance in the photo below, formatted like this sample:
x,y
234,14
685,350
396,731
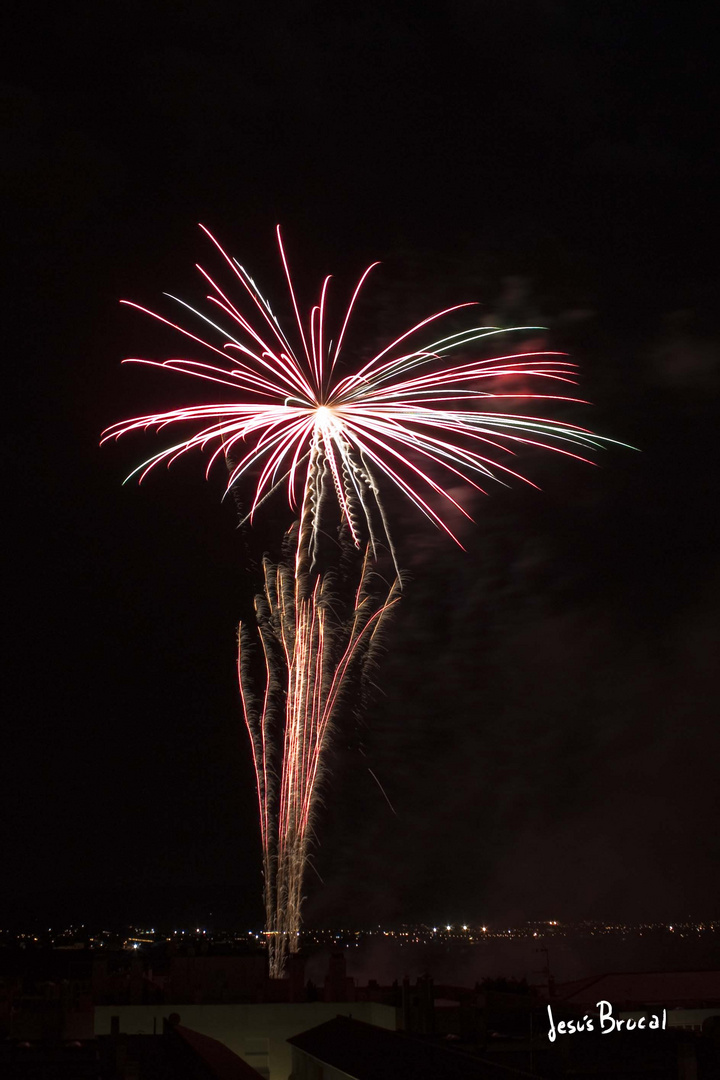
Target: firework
x,y
405,416
306,639
300,417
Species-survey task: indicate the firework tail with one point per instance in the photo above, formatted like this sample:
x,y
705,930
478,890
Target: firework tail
x,y
312,650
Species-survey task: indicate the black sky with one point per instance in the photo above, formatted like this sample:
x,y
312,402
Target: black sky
x,y
547,726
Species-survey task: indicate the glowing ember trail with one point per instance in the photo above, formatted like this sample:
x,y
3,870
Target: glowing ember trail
x,y
319,653
410,419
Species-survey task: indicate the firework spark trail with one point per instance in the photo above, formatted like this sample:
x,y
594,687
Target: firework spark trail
x,y
320,652
406,417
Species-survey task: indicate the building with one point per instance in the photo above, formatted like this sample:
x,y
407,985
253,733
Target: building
x,y
691,998
257,1032
347,1049
176,1054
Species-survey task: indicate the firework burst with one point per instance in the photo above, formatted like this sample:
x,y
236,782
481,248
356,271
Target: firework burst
x,y
297,416
410,416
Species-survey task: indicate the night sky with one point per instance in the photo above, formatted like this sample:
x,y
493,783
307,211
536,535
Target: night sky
x,y
546,720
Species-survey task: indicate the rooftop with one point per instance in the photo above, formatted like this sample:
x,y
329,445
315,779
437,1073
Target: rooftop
x,y
366,1052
